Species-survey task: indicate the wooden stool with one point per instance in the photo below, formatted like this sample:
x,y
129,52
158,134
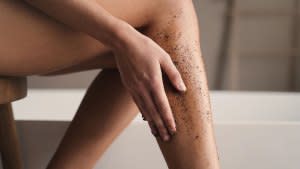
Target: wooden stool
x,y
11,89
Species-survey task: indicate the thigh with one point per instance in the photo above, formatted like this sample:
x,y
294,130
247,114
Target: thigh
x,y
33,43
104,61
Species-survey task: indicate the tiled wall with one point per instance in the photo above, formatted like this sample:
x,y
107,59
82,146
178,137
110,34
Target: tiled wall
x,y
264,47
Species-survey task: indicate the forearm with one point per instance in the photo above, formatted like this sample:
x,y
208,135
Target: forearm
x,y
86,16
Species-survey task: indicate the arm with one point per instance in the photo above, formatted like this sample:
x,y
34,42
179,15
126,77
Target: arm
x,y
139,59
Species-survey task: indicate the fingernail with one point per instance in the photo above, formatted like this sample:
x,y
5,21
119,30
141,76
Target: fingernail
x,y
172,131
182,87
166,138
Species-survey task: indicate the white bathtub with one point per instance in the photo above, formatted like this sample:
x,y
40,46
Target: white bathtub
x,y
254,130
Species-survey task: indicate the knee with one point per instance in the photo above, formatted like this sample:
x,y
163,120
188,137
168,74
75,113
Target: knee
x,y
173,14
167,7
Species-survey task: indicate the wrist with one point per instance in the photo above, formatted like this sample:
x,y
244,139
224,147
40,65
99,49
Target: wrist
x,y
122,35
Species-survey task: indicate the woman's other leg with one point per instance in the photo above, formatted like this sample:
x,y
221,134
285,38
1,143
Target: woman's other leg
x,y
105,111
33,43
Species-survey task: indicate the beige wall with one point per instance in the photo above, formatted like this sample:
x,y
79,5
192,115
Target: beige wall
x,y
263,48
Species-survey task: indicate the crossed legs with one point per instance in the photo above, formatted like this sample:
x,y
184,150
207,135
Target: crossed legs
x,y
102,115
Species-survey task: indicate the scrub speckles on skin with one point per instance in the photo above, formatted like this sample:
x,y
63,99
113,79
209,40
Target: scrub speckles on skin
x,y
189,107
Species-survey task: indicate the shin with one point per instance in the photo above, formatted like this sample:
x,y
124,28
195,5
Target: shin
x,y
193,146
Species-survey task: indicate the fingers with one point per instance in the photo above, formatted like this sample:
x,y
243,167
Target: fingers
x,y
153,128
151,125
146,105
155,107
173,74
161,102
140,104
145,115
157,120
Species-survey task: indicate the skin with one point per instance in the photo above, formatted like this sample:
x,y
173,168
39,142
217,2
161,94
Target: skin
x,y
107,39
139,59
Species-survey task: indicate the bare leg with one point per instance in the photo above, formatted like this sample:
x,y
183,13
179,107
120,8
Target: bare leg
x,y
33,43
174,27
104,112
193,146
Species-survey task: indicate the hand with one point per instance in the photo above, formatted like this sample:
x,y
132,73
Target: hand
x,y
141,62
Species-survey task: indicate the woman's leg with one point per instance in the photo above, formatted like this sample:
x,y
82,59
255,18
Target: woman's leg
x,y
33,43
193,146
105,111
105,61
174,27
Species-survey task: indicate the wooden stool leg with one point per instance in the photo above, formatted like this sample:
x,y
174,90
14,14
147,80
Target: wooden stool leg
x,y
9,143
